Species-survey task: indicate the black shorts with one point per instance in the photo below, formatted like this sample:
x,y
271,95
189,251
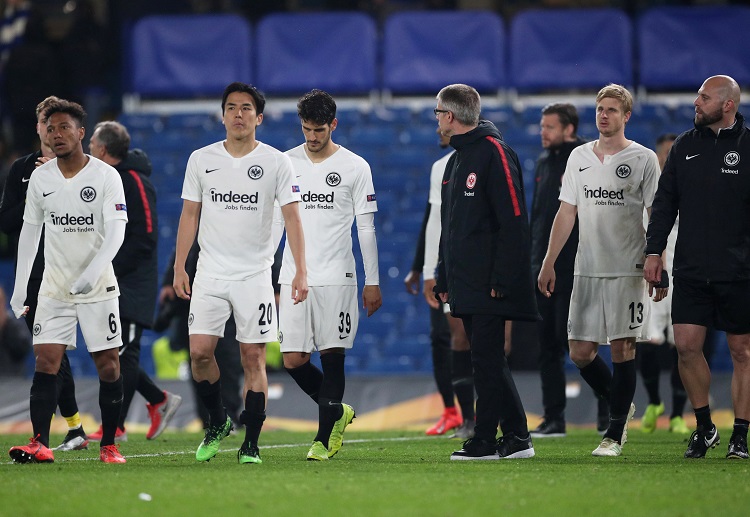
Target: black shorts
x,y
721,305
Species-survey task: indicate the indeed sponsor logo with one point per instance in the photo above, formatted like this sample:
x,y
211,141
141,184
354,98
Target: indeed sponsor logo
x,y
600,193
729,171
231,197
71,220
312,197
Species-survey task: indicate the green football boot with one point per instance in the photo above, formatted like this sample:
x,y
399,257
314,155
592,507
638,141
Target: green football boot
x,y
317,452
248,454
336,440
210,444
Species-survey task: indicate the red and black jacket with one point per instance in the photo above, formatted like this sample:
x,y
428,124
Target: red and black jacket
x,y
135,264
484,242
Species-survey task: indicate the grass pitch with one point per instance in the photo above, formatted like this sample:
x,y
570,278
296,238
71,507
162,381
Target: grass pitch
x,y
388,473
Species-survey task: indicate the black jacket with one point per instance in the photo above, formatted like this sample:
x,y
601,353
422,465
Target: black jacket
x,y
707,180
484,241
14,203
135,264
550,168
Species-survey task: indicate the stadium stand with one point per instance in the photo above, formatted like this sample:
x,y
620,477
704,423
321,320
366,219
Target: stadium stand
x,y
680,46
597,49
186,56
294,51
400,144
675,48
424,51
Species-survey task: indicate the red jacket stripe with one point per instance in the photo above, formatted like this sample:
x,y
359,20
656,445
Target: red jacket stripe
x,y
508,178
144,200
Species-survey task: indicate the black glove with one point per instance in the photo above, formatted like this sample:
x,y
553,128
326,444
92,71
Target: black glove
x,y
664,280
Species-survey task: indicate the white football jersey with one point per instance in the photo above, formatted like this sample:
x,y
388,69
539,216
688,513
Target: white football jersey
x,y
610,198
237,197
333,193
436,180
432,230
74,212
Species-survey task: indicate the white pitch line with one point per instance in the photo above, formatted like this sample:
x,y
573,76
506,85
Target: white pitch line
x,y
278,446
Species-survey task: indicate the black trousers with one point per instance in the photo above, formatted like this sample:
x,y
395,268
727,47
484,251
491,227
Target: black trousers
x,y
552,332
134,378
498,401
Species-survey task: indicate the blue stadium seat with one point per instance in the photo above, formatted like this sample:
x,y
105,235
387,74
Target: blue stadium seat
x,y
424,51
335,52
501,117
421,135
142,121
682,46
202,121
185,56
570,48
374,135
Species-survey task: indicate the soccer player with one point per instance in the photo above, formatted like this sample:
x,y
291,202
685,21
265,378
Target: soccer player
x,y
137,275
706,182
661,332
81,204
460,361
11,222
337,188
607,184
230,188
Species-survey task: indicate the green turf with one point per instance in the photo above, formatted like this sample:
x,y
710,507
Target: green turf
x,y
393,473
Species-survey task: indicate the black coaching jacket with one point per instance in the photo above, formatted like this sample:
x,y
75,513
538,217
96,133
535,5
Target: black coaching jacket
x,y
707,180
12,207
550,168
484,242
135,264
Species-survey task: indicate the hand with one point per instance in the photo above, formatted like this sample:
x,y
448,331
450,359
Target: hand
x,y
652,269
428,290
166,294
16,303
546,280
372,300
661,293
181,285
299,288
443,297
411,282
83,285
41,160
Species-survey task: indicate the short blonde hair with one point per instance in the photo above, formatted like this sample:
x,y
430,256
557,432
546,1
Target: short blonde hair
x,y
42,106
616,91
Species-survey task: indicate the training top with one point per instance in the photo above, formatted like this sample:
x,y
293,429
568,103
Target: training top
x,y
74,212
436,178
333,193
610,198
237,196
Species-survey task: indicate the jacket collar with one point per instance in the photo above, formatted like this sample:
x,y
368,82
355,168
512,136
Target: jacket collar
x,y
484,129
730,132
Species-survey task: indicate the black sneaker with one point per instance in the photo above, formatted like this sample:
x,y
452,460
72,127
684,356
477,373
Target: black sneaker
x,y
602,416
476,449
549,429
737,448
511,447
700,441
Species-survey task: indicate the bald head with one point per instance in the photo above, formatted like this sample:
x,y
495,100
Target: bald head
x,y
717,102
726,87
